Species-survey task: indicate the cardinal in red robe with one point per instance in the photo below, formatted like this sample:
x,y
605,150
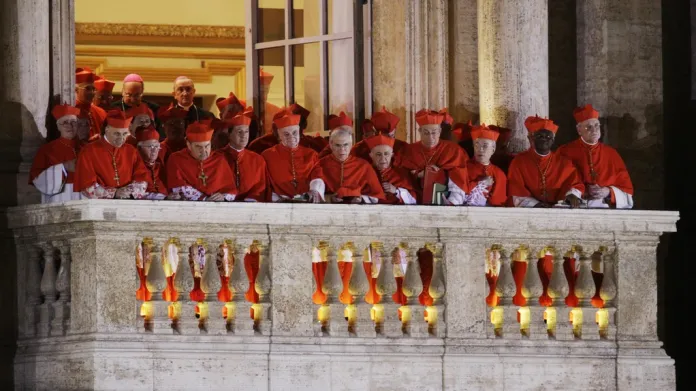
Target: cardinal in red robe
x,y
293,172
601,169
435,157
540,177
249,168
383,122
110,168
52,172
142,118
348,179
481,171
103,96
84,96
173,121
397,183
336,121
230,106
196,174
149,147
271,139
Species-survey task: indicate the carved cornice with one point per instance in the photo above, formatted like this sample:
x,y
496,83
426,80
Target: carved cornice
x,y
159,34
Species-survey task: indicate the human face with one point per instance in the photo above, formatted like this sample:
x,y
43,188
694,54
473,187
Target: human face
x,y
116,136
140,121
175,129
67,126
103,100
542,141
589,130
483,150
289,136
381,156
430,135
82,128
132,93
199,150
149,150
85,93
184,92
340,146
239,137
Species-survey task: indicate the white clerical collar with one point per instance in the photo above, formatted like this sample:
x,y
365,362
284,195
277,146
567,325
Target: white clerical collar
x,y
583,140
535,151
107,141
187,108
238,150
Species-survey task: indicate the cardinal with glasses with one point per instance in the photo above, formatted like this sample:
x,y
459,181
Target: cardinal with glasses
x,y
84,95
601,169
149,148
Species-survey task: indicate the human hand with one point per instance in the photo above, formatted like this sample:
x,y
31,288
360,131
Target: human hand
x,y
69,165
216,197
573,201
389,188
123,193
315,197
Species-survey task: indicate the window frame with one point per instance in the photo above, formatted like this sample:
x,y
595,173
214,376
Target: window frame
x,y
362,60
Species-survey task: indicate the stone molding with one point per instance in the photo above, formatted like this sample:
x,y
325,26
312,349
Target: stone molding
x,y
158,34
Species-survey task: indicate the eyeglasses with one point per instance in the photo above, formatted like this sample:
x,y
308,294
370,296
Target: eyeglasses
x,y
151,147
68,122
592,126
129,95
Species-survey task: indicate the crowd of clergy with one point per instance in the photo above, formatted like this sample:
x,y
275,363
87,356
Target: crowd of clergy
x,y
133,149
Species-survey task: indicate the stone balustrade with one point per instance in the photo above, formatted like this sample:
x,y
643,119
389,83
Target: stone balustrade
x,y
161,295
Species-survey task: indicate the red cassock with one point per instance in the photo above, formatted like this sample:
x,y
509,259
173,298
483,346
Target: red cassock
x,y
97,116
95,164
497,193
446,155
280,161
400,178
525,177
213,175
156,178
249,171
362,151
351,178
56,152
606,163
168,148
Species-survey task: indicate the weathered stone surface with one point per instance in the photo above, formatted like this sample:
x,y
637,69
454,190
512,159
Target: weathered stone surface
x,y
108,345
463,61
513,64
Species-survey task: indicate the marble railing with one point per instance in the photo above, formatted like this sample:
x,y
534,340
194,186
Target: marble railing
x,y
156,294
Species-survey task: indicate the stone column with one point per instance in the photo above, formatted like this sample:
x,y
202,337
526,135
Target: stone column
x,y
463,61
513,64
410,58
24,92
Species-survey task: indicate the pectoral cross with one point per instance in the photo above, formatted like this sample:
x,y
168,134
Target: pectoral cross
x,y
116,177
203,177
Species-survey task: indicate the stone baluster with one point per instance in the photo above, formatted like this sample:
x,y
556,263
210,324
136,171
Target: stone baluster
x,y
240,285
33,291
437,292
584,289
263,288
359,285
61,307
412,288
48,289
156,282
504,317
608,290
386,287
183,281
330,314
531,316
557,291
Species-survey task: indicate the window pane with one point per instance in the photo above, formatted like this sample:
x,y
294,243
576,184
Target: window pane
x,y
339,16
270,20
307,68
341,84
306,18
271,84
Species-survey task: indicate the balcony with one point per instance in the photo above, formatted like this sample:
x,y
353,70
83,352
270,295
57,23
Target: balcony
x,y
156,295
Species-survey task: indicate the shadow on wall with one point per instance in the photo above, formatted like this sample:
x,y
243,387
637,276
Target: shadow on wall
x,y
642,149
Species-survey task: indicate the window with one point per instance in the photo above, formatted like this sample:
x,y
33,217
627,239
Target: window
x,y
308,52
